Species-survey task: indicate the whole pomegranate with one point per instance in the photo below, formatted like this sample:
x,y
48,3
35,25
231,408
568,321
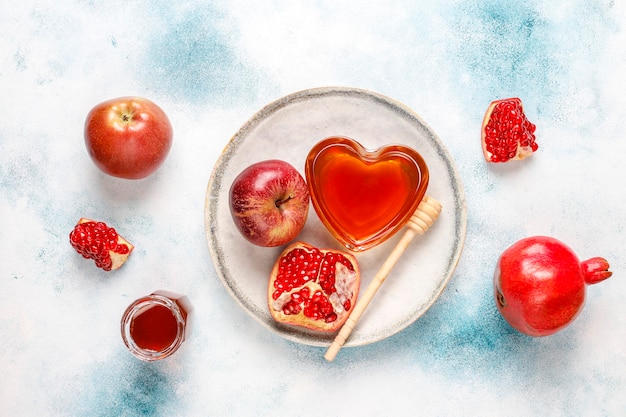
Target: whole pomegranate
x,y
313,288
539,284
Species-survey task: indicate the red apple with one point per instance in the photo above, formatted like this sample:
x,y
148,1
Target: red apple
x,y
128,137
269,202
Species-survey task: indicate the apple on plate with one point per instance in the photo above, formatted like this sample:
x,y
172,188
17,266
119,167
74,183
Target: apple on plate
x,y
269,202
128,137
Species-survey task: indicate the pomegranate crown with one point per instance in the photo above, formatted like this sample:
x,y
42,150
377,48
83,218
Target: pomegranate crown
x,y
595,270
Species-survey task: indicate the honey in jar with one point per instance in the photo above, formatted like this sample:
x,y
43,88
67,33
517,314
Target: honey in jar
x,y
153,327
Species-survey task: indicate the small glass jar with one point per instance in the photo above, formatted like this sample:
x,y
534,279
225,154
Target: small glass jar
x,y
154,327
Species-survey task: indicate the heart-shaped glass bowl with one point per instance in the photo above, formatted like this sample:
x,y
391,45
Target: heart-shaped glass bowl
x,y
362,196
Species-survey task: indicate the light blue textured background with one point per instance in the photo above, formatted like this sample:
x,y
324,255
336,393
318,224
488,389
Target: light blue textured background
x,y
211,66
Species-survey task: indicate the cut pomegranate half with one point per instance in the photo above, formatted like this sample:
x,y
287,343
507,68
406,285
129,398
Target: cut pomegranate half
x,y
507,134
313,288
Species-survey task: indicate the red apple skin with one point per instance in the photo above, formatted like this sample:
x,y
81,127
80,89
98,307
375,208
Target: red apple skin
x,y
269,203
128,137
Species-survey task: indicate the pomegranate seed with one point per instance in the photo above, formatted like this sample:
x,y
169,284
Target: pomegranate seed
x,y
330,318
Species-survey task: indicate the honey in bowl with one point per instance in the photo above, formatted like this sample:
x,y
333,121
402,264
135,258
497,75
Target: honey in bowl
x,y
363,197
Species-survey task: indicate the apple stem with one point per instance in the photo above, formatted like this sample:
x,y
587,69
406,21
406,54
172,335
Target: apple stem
x,y
284,200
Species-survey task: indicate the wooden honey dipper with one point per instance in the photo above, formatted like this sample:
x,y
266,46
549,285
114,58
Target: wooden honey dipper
x,y
424,217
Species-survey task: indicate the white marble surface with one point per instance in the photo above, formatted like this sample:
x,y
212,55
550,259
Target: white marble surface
x,y
211,66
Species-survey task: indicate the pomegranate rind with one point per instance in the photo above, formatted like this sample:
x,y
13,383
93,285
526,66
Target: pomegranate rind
x,y
522,151
117,259
299,319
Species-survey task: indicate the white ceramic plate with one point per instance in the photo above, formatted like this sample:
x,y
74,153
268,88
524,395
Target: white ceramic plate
x,y
287,129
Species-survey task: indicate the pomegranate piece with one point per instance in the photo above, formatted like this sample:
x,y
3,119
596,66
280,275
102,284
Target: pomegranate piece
x,y
95,240
540,285
313,288
507,134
